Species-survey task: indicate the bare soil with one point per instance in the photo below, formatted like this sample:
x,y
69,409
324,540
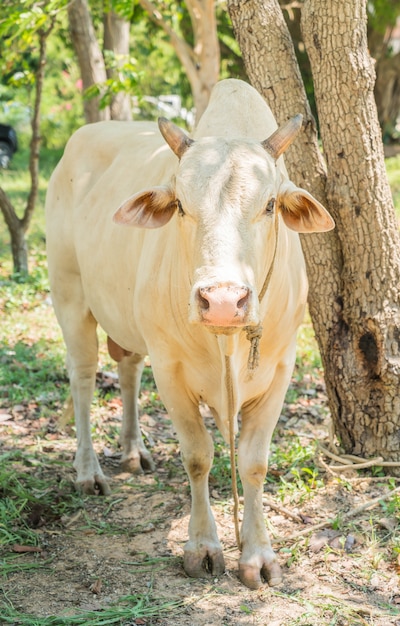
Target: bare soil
x,y
132,542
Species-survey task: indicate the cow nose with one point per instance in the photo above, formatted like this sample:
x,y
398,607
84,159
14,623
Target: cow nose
x,y
224,305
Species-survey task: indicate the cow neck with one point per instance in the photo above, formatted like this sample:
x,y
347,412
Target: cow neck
x,y
254,333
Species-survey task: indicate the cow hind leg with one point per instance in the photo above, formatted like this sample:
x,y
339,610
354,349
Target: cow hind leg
x,y
135,456
82,349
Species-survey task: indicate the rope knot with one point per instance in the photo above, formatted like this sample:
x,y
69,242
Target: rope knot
x,y
253,334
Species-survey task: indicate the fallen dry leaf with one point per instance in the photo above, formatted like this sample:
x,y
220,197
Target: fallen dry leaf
x,y
18,548
96,587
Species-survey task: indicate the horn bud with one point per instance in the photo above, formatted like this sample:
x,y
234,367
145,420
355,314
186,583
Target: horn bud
x,y
177,140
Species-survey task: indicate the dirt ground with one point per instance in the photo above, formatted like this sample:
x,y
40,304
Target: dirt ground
x,y
348,576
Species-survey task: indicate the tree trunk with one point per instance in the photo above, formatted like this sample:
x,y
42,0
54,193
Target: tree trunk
x,y
116,39
18,227
204,72
19,249
354,272
89,55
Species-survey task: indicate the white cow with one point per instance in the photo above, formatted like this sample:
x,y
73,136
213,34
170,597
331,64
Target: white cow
x,y
210,218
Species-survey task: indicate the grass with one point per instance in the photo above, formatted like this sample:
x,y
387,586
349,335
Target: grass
x,y
31,494
128,608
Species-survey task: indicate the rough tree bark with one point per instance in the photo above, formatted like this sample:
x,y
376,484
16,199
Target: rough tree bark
x,y
354,271
201,62
116,39
90,57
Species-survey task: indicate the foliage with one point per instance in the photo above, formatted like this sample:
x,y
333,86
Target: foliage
x,y
382,14
125,78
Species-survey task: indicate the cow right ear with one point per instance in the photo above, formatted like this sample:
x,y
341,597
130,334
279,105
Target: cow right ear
x,y
147,209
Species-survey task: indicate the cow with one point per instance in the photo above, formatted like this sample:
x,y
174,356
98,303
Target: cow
x,y
186,249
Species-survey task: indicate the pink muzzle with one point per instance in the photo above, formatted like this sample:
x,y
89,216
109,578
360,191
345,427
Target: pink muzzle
x,y
225,305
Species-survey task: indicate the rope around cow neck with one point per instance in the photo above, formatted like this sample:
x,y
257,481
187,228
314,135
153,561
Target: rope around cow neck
x,y
253,334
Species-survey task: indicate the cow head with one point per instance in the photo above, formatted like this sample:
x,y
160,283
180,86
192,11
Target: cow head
x,y
228,195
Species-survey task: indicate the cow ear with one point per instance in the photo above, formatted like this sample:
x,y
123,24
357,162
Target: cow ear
x,y
147,209
301,212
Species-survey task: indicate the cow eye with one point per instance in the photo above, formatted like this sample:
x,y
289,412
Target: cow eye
x,y
269,209
180,208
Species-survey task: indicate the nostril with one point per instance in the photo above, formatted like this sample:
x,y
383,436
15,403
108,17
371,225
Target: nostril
x,y
203,301
243,300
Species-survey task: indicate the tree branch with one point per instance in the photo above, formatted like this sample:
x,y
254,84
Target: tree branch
x,y
184,52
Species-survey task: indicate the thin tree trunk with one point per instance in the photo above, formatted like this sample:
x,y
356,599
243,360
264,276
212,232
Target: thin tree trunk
x,y
201,62
19,249
36,139
116,39
89,55
16,226
354,272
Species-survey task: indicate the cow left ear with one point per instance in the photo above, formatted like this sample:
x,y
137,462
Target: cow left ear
x,y
147,209
301,212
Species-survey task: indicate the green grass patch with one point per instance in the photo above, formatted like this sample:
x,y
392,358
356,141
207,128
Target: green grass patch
x,y
32,495
32,372
125,611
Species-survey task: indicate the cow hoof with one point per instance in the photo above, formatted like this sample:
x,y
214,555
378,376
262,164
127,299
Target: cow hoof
x,y
202,563
138,464
253,577
96,487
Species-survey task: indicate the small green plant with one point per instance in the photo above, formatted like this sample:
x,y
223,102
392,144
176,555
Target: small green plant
x,y
220,475
28,498
302,484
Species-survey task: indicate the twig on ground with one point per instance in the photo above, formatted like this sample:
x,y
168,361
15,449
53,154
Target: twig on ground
x,y
358,462
279,509
371,479
357,466
321,462
363,507
282,510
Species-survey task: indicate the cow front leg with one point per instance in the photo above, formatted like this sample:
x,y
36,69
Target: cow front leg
x,y
203,551
82,347
135,456
258,561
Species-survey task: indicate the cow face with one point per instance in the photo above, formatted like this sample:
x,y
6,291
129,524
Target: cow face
x,y
229,195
